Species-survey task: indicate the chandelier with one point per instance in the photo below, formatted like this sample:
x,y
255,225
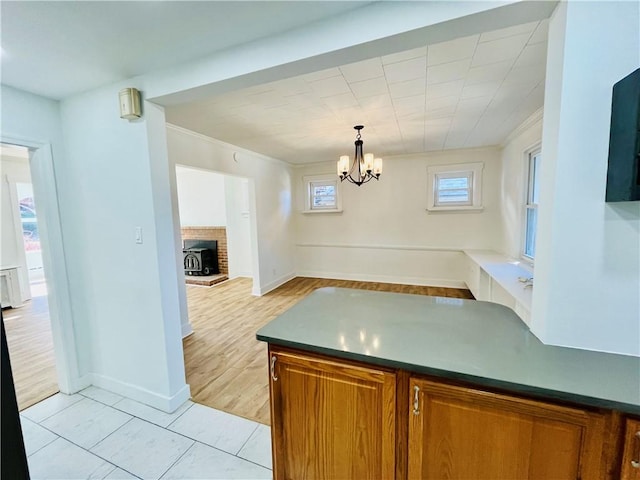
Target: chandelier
x,y
364,167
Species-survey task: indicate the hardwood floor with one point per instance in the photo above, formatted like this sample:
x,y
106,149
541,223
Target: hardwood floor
x,y
226,366
31,351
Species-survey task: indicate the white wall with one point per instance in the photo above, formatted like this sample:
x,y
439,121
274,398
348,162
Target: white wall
x,y
238,227
270,192
385,233
127,293
587,276
514,183
13,169
201,198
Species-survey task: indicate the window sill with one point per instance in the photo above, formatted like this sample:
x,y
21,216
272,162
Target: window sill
x,y
527,262
321,211
455,208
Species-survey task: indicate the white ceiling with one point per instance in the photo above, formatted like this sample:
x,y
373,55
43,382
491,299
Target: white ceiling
x,y
468,92
57,49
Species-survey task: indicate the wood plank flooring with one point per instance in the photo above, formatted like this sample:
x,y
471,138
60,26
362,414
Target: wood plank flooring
x,y
226,366
31,351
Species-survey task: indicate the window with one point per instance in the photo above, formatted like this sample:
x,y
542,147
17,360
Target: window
x,y
454,187
323,193
531,205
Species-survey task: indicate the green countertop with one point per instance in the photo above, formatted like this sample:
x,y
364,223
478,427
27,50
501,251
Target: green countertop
x,y
480,342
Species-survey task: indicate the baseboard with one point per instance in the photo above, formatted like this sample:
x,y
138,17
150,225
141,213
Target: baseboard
x,y
359,277
142,395
241,275
77,384
264,289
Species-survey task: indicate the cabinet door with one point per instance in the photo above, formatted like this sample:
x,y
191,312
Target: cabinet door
x,y
331,420
631,453
461,433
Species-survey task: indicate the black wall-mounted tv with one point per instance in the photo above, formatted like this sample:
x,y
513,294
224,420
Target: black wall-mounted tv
x,y
623,173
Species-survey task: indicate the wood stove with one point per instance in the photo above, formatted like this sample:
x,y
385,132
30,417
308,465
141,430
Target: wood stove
x,y
200,257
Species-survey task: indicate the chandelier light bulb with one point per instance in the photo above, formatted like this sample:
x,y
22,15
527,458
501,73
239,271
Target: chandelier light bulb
x,y
343,165
377,166
368,162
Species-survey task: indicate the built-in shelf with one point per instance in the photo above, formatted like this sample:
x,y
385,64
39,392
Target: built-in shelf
x,y
497,278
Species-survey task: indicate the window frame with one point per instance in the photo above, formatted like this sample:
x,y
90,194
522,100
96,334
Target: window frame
x,y
532,175
472,170
312,180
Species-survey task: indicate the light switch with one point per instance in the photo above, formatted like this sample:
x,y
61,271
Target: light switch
x,y
138,234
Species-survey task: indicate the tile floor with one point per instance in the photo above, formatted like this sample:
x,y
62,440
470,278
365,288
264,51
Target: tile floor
x,y
96,434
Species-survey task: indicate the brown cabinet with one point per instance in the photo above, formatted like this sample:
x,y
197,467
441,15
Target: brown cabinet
x,y
631,451
331,420
460,433
338,419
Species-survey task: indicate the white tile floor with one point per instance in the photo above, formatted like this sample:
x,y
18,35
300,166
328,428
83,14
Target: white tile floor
x,y
100,435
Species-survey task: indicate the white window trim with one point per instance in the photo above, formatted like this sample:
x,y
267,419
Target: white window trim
x,y
474,169
307,180
528,155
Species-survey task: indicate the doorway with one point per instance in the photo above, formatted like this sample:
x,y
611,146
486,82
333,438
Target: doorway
x,y
213,205
24,289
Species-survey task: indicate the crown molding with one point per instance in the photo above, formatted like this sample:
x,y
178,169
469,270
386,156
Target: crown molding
x,y
528,123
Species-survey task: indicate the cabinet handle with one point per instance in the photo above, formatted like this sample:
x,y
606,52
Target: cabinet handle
x,y
273,368
636,463
416,400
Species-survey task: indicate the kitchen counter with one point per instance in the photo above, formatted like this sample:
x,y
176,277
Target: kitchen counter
x,y
479,342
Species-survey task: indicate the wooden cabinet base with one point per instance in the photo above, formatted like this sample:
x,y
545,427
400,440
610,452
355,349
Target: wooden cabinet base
x,y
458,432
338,419
331,420
630,466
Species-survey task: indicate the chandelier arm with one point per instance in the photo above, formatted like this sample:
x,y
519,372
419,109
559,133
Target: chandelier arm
x,y
348,178
367,178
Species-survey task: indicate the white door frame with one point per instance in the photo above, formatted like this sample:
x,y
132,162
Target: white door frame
x,y
55,267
